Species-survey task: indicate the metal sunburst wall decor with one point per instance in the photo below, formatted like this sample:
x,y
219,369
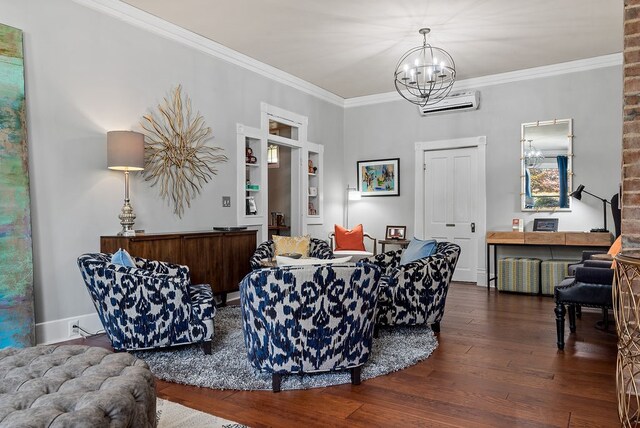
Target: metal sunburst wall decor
x,y
176,156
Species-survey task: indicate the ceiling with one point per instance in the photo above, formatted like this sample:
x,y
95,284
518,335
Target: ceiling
x,y
351,47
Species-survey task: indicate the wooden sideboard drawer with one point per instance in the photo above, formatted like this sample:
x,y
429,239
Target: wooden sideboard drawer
x,y
544,238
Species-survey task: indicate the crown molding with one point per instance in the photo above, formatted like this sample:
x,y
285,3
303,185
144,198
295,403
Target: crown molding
x,y
508,77
149,22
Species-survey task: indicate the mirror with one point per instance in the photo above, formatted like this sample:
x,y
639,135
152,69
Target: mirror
x,y
546,159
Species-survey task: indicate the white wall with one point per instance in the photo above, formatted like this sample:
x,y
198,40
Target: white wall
x,y
592,98
87,73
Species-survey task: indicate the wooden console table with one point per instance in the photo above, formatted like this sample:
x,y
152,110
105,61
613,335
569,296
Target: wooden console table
x,y
545,239
403,243
220,259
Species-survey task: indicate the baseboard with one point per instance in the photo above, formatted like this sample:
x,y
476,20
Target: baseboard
x,y
58,330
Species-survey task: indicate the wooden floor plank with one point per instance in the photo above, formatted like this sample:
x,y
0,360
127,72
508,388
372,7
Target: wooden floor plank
x,y
496,364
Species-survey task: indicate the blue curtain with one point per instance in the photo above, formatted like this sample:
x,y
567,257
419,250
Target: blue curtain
x,y
562,175
528,200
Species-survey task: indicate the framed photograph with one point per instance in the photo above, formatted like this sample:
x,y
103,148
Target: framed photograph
x,y
545,225
395,232
379,177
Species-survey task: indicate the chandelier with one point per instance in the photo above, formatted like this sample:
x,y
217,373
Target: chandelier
x,y
425,74
532,156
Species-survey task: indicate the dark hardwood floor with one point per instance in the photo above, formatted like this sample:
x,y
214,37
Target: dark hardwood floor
x,y
496,365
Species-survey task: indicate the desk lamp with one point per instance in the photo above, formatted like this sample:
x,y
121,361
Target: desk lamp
x,y
578,195
125,152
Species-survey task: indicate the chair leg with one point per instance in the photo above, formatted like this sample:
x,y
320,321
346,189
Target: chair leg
x,y
206,347
376,331
276,380
355,375
572,318
560,311
579,311
436,327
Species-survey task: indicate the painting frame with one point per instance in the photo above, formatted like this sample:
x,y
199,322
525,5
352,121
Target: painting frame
x,y
396,233
372,171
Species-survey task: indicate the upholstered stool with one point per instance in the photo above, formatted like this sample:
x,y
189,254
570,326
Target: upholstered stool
x,y
75,385
553,272
519,275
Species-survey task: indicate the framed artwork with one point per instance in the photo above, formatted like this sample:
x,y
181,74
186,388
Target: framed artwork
x,y
545,225
379,177
395,232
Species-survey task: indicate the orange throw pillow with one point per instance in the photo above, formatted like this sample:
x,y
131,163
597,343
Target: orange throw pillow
x,y
349,239
615,247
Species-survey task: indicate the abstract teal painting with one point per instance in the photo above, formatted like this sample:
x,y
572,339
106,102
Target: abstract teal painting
x,y
16,258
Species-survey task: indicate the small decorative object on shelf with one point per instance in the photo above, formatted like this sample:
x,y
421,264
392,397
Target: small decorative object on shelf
x,y
313,191
252,208
250,158
312,169
395,232
517,225
312,209
254,187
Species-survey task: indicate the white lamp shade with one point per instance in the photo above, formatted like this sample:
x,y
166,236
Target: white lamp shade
x,y
125,150
354,194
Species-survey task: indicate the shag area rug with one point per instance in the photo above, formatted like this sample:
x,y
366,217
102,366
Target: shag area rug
x,y
228,367
174,415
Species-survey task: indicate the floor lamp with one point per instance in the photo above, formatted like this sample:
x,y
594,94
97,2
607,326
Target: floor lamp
x,y
352,195
125,152
578,195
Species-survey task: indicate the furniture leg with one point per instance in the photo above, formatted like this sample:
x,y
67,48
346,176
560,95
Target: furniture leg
x,y
223,299
579,311
206,347
436,327
572,318
560,311
276,380
488,267
355,375
376,331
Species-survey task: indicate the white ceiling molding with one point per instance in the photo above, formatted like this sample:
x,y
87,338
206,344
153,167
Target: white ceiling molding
x,y
501,78
144,20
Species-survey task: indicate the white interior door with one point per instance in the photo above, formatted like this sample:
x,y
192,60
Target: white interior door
x,y
451,193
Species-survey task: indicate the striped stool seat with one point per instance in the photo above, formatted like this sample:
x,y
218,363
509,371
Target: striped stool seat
x,y
519,275
553,272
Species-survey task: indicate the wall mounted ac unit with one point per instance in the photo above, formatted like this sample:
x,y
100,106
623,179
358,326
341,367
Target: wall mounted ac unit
x,y
459,101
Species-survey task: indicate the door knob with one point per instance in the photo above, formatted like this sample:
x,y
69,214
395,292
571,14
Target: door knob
x,y
473,228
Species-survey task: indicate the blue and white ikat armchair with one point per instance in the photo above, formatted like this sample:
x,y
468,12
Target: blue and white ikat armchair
x,y
306,319
151,305
415,293
317,248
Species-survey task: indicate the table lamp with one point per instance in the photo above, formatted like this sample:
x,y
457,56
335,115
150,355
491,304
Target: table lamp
x,y
125,152
578,195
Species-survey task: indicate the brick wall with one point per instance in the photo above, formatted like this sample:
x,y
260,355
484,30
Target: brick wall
x,y
631,128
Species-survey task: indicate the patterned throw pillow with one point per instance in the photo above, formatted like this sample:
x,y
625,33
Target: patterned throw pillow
x,y
349,239
291,244
122,258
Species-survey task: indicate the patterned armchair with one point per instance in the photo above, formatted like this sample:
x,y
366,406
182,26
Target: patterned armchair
x,y
415,293
151,305
305,319
317,248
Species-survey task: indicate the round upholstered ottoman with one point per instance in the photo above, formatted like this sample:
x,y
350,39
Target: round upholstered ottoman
x,y
75,386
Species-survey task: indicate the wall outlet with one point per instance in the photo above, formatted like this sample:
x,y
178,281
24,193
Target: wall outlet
x,y
74,331
226,201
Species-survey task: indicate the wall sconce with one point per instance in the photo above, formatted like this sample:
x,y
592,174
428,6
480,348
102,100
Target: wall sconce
x,y
125,152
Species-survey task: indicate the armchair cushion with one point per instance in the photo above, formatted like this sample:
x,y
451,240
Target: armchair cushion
x,y
418,249
349,239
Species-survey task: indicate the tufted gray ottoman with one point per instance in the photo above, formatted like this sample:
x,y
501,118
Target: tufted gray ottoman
x,y
75,386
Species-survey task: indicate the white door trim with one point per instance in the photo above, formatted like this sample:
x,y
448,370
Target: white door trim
x,y
481,223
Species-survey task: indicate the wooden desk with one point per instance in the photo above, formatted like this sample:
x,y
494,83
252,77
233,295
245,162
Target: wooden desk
x,y
402,242
565,239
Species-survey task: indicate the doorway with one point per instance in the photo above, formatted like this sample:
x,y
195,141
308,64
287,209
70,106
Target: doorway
x,y
450,199
279,195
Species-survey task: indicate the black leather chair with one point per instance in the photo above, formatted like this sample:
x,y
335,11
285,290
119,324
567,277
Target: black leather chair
x,y
591,287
